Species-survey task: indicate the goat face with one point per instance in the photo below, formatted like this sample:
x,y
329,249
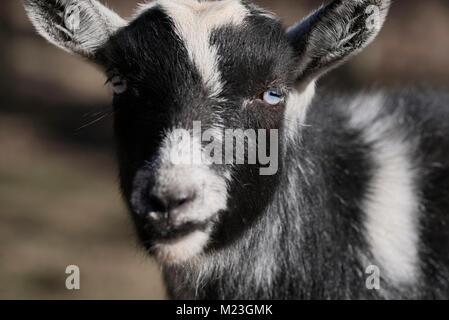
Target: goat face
x,y
220,65
215,76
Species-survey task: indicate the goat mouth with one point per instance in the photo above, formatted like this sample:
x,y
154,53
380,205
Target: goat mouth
x,y
176,245
167,234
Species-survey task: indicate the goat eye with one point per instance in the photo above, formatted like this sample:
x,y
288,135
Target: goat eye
x,y
273,96
118,84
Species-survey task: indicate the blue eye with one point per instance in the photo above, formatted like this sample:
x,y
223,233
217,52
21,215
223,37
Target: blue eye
x,y
273,96
118,85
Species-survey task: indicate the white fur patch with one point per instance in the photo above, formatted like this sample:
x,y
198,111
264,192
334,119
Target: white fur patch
x,y
211,195
212,189
194,21
183,249
296,109
391,207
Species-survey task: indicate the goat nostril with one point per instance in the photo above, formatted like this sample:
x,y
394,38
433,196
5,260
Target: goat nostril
x,y
164,204
158,204
183,199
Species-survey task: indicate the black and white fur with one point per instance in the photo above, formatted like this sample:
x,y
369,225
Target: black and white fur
x,y
362,180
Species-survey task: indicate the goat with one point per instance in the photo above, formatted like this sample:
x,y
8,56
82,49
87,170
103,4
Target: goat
x,y
361,185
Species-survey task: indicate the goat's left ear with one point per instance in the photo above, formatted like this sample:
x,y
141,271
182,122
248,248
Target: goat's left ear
x,y
77,26
333,33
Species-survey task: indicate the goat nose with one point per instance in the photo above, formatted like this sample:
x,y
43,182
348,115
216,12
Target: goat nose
x,y
169,204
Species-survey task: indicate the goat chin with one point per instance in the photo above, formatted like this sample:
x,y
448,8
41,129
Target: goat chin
x,y
184,250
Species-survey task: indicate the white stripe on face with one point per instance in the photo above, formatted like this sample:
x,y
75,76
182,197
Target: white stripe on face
x,y
181,165
391,206
194,22
179,170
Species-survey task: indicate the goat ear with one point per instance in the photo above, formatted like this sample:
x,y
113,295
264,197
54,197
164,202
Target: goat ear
x,y
77,26
334,33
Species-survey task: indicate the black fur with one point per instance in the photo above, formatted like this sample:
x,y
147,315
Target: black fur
x,y
319,260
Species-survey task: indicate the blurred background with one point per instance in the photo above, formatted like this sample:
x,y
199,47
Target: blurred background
x,y
59,198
